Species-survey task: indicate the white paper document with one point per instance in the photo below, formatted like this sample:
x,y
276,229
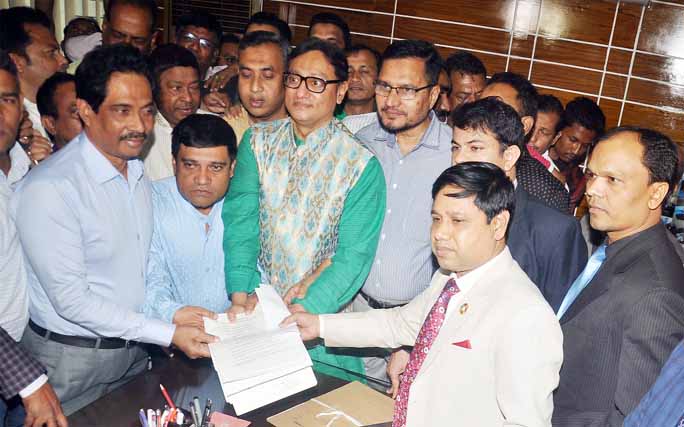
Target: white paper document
x,y
257,361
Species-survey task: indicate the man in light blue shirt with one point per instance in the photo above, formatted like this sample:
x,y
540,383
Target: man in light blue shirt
x,y
413,147
84,219
185,278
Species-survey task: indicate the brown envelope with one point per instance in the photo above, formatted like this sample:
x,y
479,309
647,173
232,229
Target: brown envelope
x,y
349,406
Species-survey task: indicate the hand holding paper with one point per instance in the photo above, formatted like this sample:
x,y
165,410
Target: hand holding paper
x,y
309,325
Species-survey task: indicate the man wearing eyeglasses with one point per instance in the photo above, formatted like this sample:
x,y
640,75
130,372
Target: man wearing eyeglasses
x,y
306,203
413,148
200,33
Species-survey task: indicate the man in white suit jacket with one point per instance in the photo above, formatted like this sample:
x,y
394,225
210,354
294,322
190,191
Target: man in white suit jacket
x,y
496,358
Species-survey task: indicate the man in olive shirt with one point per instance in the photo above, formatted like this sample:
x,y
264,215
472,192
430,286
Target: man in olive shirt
x,y
306,203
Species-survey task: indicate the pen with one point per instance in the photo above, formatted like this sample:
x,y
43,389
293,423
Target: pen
x,y
151,422
194,415
198,410
143,418
180,417
207,411
167,397
158,418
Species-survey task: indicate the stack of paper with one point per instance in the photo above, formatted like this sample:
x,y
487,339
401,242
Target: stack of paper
x,y
257,361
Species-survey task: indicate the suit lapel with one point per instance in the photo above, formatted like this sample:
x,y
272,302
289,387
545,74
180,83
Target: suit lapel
x,y
478,300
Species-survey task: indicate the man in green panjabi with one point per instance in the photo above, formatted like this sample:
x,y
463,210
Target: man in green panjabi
x,y
306,203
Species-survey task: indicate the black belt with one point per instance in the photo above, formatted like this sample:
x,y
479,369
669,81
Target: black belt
x,y
101,343
373,303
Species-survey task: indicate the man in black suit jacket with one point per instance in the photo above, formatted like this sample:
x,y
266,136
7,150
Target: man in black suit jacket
x,y
546,243
621,327
532,176
21,374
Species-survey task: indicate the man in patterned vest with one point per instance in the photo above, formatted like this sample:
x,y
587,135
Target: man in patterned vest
x,y
306,203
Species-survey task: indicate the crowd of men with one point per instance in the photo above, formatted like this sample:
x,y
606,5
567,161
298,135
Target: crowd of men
x,y
420,216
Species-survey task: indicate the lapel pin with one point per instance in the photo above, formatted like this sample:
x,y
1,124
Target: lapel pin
x,y
463,308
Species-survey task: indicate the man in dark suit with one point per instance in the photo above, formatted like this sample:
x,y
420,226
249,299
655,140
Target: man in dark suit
x,y
624,314
21,374
532,176
546,243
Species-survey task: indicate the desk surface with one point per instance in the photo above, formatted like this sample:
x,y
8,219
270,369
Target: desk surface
x,y
183,378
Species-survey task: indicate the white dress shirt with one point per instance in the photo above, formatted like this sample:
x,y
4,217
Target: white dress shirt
x,y
34,115
86,232
158,161
13,294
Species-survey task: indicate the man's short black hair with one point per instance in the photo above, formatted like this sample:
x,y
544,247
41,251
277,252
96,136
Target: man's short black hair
x,y
7,64
417,49
267,18
13,36
586,113
492,116
168,56
465,63
527,94
229,38
661,156
333,19
258,38
493,191
149,6
203,131
201,19
97,67
45,99
374,53
69,28
551,104
333,54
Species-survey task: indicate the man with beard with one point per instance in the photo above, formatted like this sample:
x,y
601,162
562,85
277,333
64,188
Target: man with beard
x,y
177,95
84,219
413,148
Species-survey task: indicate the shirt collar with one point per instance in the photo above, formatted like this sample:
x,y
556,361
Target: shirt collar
x,y
472,278
430,138
161,121
19,165
101,169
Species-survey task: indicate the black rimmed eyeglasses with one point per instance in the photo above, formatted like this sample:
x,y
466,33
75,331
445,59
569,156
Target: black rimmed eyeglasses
x,y
313,84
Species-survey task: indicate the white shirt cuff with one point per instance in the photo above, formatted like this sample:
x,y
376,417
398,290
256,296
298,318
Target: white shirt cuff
x,y
321,327
158,332
35,385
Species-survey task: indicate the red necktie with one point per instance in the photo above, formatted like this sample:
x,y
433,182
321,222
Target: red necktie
x,y
426,336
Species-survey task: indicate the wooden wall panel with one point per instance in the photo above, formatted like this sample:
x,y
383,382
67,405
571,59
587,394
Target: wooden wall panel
x,y
569,48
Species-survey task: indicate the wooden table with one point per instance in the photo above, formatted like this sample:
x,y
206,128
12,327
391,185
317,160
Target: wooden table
x,y
183,378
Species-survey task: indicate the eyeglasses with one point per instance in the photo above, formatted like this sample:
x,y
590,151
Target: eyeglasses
x,y
190,38
313,84
405,93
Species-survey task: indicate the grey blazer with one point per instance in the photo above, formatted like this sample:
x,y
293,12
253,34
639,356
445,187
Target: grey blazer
x,y
620,331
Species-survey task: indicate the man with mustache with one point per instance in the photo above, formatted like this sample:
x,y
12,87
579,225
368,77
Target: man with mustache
x,y
186,280
624,314
177,95
359,105
262,60
413,148
306,195
84,219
